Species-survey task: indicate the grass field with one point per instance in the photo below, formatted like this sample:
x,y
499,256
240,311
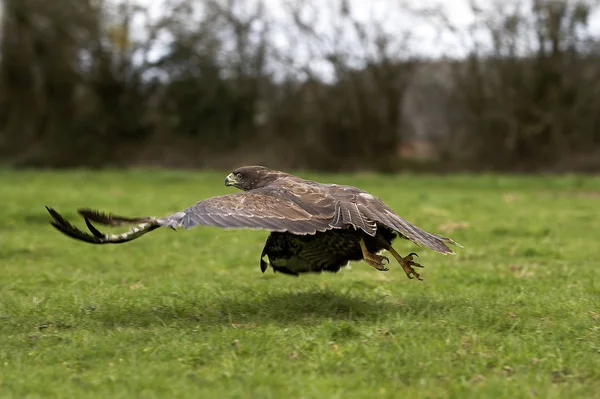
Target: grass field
x,y
516,314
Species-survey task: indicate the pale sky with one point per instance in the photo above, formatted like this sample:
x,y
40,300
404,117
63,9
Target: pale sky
x,y
386,12
426,38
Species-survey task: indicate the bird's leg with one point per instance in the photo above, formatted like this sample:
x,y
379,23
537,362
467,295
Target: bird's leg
x,y
406,263
377,261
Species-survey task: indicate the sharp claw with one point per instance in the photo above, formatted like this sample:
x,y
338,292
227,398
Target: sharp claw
x,y
378,262
413,254
415,274
381,268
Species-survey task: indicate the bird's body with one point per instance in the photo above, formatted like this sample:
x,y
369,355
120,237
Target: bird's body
x,y
314,226
323,251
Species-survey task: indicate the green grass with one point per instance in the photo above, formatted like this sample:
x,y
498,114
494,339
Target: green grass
x,y
516,314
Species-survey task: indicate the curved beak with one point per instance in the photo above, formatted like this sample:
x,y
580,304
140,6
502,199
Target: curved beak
x,y
230,180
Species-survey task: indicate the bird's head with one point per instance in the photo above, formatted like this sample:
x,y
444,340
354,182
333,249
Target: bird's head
x,y
252,177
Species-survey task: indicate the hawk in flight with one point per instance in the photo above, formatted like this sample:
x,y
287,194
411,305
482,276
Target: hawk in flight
x,y
314,227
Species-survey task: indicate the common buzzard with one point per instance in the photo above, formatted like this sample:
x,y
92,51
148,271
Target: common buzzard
x,y
314,227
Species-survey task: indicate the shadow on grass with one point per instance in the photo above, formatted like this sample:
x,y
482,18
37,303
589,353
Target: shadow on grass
x,y
308,308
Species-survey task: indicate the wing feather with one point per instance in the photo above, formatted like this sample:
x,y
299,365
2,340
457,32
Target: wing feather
x,y
257,209
386,216
286,205
349,213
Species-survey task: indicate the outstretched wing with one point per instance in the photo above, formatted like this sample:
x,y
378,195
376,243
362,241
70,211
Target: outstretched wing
x,y
293,205
377,210
97,237
259,209
364,211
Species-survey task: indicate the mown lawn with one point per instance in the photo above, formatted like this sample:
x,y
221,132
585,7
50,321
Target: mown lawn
x,y
516,314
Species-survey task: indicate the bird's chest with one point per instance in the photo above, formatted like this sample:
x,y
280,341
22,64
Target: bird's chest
x,y
296,250
293,263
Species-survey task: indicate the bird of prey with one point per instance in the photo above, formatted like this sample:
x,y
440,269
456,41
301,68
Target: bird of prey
x,y
314,227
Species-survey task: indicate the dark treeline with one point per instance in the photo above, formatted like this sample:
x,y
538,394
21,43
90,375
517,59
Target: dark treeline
x,y
216,83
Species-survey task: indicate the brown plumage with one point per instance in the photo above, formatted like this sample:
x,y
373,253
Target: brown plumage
x,y
314,227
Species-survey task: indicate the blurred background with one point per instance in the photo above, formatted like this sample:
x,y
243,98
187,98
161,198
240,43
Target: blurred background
x,y
342,85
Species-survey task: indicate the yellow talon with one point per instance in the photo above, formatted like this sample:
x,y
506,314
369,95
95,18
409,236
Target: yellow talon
x,y
407,263
377,261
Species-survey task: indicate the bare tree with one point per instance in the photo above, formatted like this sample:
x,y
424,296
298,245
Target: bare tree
x,y
530,96
326,85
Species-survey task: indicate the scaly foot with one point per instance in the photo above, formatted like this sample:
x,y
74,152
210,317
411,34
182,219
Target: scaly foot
x,y
407,264
377,261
